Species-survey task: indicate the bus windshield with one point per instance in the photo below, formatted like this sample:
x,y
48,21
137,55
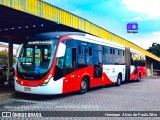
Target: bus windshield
x,y
36,58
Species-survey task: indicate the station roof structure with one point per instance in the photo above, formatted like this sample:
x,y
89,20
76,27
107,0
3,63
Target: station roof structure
x,y
21,18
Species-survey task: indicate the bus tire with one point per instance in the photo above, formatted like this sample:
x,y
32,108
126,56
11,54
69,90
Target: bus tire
x,y
119,80
84,86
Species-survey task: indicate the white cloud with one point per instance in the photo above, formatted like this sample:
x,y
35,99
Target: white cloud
x,y
157,33
145,40
150,8
138,18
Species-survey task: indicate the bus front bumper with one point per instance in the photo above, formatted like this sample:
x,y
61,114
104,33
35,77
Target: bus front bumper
x,y
53,87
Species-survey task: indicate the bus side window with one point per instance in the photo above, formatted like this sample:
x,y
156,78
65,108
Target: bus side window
x,y
68,57
70,54
60,62
90,51
111,51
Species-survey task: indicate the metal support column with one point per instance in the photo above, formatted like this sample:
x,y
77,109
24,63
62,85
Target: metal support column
x,y
148,67
151,68
10,55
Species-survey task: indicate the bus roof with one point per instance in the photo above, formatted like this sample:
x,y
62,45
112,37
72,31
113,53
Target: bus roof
x,y
54,35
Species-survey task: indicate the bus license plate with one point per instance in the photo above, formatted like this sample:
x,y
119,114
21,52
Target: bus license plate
x,y
27,89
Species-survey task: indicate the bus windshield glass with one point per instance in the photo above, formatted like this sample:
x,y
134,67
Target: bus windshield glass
x,y
36,58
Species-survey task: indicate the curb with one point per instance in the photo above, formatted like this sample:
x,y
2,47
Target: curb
x,y
154,76
6,96
7,92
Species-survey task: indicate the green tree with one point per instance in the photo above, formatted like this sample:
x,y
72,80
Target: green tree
x,y
3,58
155,49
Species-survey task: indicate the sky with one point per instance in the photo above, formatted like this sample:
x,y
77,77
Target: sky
x,y
113,15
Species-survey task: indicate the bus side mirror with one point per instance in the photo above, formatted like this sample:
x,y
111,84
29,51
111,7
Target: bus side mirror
x,y
61,50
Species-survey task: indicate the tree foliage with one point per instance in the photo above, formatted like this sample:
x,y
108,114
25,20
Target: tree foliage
x,y
155,49
3,58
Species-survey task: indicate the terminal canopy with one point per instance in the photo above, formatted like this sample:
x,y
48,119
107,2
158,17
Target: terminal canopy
x,y
16,25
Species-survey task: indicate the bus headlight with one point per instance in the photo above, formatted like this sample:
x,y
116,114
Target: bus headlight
x,y
46,81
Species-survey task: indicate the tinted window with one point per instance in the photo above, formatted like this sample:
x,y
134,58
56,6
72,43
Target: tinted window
x,y
118,52
36,58
113,51
110,50
123,52
106,50
68,57
137,60
79,50
90,51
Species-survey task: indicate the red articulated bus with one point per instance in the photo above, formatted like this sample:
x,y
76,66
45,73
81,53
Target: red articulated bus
x,y
62,62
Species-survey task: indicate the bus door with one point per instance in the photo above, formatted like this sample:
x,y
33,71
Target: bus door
x,y
97,56
88,57
65,67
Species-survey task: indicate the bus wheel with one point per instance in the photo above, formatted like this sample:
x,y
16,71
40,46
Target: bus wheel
x,y
119,80
84,86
